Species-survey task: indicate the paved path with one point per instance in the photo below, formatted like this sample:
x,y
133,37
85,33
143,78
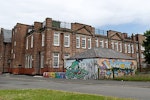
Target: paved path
x,y
137,90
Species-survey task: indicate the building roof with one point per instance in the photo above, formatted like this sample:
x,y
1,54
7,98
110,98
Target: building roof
x,y
7,35
101,53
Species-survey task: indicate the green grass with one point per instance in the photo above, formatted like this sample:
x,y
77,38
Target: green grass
x,y
139,77
39,94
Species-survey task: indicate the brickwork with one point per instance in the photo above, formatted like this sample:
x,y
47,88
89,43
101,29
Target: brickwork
x,y
33,55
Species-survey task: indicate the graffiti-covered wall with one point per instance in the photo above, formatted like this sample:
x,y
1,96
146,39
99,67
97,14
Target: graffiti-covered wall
x,y
81,69
54,74
109,68
99,68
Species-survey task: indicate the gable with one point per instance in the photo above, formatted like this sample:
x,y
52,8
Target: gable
x,y
84,30
116,36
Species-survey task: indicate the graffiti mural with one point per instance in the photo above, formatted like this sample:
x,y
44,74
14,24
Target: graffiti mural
x,y
81,69
54,74
110,68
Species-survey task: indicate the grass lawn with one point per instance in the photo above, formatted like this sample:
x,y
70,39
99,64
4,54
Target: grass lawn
x,y
39,94
139,77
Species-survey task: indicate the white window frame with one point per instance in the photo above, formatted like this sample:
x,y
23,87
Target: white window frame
x,y
120,45
129,48
43,39
56,56
125,48
56,36
112,45
12,51
142,56
106,44
42,60
77,41
30,64
101,43
67,40
142,48
27,43
14,56
89,43
83,43
31,41
132,48
116,45
14,43
137,47
96,42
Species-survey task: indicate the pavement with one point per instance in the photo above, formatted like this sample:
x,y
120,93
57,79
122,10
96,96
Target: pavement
x,y
125,89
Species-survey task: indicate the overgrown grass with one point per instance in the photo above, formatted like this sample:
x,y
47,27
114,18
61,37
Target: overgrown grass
x,y
139,77
39,94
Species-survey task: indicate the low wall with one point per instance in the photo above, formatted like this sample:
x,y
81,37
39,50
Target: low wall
x,y
54,74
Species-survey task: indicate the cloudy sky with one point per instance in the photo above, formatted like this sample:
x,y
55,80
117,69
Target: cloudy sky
x,y
129,16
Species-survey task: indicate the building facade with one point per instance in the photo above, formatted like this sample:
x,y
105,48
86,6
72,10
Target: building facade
x,y
44,46
5,49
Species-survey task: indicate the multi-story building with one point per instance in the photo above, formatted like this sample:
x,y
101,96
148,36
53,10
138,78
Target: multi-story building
x,y
5,49
45,45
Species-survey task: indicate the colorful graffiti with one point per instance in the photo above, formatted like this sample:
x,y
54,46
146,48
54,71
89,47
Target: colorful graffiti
x,y
54,74
110,68
75,71
81,69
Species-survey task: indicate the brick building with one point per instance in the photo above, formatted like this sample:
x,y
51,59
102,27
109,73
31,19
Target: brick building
x,y
44,46
5,49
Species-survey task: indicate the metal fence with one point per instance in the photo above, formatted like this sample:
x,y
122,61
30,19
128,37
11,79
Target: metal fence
x,y
101,32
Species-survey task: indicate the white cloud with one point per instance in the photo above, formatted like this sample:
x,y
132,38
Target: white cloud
x,y
93,12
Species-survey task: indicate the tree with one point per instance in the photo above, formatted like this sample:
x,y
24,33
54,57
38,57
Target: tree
x,y
146,44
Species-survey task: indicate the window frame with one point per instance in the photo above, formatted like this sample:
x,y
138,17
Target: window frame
x,y
54,56
83,43
77,41
58,37
67,40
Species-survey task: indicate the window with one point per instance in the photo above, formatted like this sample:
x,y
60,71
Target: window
x,y
28,60
27,43
132,48
96,42
56,39
106,44
32,41
42,60
101,44
43,39
116,46
112,45
142,48
120,45
142,55
14,56
125,48
14,43
137,47
129,48
67,40
83,42
77,42
89,43
30,64
137,55
56,60
12,50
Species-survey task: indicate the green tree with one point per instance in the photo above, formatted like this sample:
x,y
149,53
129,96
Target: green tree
x,y
146,44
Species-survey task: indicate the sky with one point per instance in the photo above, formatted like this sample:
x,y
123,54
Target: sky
x,y
126,16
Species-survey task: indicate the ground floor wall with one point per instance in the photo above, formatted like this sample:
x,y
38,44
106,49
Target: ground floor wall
x,y
99,68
